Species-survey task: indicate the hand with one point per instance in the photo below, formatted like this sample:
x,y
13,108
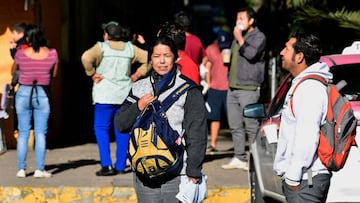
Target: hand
x,y
97,77
238,35
134,77
145,100
12,45
293,187
194,180
140,39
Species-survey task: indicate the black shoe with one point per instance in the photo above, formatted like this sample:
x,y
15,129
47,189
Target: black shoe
x,y
106,171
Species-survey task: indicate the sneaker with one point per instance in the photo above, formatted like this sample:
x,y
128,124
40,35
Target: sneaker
x,y
236,163
106,171
42,174
21,173
211,150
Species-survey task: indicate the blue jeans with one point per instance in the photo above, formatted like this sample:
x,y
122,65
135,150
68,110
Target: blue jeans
x,y
38,111
103,124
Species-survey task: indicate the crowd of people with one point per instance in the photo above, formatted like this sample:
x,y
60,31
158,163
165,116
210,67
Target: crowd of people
x,y
229,73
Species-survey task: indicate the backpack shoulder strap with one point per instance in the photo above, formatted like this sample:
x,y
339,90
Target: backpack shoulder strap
x,y
168,101
313,77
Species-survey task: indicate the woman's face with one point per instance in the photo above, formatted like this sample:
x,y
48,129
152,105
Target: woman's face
x,y
162,59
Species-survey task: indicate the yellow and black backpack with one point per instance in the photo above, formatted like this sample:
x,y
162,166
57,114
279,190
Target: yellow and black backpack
x,y
155,148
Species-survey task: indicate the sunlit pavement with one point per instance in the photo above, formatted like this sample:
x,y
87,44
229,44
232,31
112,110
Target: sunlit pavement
x,y
74,179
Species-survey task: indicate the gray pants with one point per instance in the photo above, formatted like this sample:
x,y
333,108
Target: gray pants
x,y
156,191
307,194
239,125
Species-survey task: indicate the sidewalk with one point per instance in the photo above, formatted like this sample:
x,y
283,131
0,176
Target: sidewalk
x,y
74,178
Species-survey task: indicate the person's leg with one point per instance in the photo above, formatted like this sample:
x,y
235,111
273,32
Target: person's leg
x,y
122,144
236,124
41,116
24,124
251,124
214,132
146,193
102,125
317,193
169,190
235,119
214,116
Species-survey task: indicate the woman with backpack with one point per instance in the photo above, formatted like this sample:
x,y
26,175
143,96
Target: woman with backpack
x,y
187,116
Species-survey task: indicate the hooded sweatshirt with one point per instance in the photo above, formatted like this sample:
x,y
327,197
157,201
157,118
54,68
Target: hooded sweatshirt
x,y
299,135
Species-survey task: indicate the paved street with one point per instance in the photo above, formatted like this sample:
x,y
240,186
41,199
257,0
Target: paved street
x,y
74,179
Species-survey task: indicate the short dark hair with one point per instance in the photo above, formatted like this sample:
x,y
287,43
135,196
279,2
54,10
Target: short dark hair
x,y
250,12
175,31
116,32
184,19
19,27
309,45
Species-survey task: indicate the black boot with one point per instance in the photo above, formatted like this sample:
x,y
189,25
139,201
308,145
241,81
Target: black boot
x,y
106,171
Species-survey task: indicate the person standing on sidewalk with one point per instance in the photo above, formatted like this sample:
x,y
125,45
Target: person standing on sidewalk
x,y
247,69
296,155
187,115
37,65
108,63
219,84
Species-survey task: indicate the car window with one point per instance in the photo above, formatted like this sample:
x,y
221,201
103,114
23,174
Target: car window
x,y
350,73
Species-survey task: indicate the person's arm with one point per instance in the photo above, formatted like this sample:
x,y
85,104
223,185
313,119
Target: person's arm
x,y
254,46
91,59
56,67
126,117
208,74
140,56
195,125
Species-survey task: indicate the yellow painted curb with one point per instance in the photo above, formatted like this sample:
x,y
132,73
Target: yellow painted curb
x,y
104,195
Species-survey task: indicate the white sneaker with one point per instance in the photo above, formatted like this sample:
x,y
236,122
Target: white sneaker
x,y
236,163
21,173
42,174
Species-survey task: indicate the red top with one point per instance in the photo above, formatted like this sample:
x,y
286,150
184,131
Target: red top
x,y
188,67
218,72
194,48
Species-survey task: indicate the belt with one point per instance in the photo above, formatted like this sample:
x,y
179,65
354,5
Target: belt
x,y
255,88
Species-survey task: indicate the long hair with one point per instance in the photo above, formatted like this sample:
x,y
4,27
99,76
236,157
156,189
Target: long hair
x,y
35,37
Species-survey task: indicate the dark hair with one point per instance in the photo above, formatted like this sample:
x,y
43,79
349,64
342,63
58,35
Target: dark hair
x,y
250,12
184,19
165,40
174,31
19,27
118,33
35,36
309,45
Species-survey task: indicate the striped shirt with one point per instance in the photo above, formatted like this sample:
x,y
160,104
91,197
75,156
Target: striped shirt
x,y
36,69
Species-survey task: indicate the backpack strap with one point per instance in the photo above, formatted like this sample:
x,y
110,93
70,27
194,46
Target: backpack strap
x,y
168,101
314,77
